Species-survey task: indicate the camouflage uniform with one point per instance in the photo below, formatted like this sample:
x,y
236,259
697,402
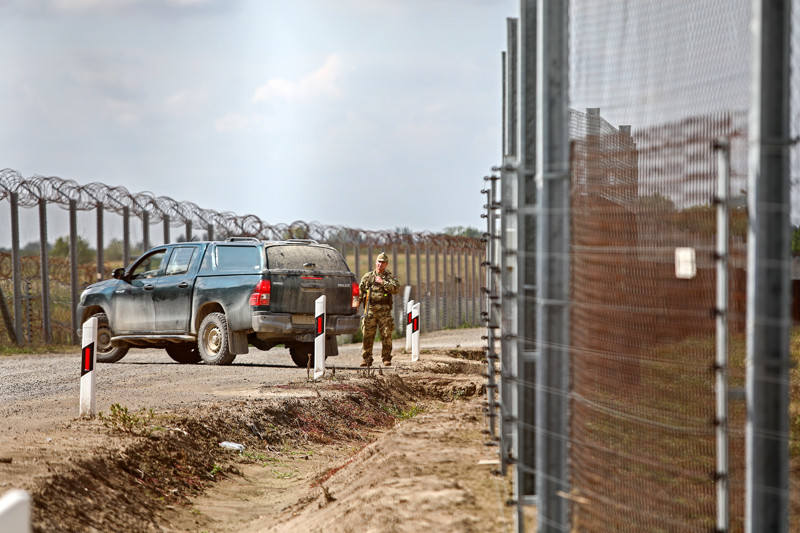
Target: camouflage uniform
x,y
378,314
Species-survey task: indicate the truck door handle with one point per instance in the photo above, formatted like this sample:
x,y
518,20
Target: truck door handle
x,y
183,285
149,287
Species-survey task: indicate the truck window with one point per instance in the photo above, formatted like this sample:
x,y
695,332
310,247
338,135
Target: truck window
x,y
238,258
305,257
180,260
149,266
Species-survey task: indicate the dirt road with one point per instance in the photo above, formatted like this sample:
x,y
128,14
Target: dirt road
x,y
398,449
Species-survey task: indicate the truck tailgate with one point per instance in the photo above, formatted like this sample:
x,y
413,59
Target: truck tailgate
x,y
296,291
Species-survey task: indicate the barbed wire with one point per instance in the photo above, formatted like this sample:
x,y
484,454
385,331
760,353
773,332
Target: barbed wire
x,y
116,199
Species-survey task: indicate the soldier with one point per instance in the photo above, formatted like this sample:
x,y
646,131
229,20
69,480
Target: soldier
x,y
376,290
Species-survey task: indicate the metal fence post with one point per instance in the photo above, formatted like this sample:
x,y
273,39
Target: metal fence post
x,y
526,205
489,316
145,231
429,308
47,330
723,193
420,293
357,260
101,270
769,320
399,310
165,221
73,268
443,289
408,263
508,259
16,267
126,236
552,266
461,285
436,292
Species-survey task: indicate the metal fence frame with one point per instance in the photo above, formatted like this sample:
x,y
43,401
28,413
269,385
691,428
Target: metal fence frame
x,y
535,67
449,297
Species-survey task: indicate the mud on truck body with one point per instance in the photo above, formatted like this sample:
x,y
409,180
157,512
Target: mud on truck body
x,y
209,301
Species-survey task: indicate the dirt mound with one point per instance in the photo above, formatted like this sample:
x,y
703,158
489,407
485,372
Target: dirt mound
x,y
154,466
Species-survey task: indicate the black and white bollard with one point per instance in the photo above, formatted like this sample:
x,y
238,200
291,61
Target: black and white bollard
x,y
88,359
409,307
319,339
15,512
415,332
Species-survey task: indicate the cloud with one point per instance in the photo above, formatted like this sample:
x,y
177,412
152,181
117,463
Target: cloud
x,y
153,8
322,83
188,99
237,121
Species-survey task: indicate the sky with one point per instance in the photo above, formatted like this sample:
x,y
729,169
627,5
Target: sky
x,y
373,114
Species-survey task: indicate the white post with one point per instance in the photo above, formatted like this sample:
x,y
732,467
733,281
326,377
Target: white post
x,y
88,359
415,332
319,339
723,342
15,512
409,307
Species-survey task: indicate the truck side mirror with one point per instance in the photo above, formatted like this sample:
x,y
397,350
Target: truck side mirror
x,y
117,273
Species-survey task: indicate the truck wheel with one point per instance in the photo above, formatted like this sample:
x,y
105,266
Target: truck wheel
x,y
213,341
301,354
104,351
187,354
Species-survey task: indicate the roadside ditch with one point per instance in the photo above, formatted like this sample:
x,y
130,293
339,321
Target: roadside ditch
x,y
154,466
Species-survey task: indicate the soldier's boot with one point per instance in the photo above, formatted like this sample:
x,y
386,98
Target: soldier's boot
x,y
366,362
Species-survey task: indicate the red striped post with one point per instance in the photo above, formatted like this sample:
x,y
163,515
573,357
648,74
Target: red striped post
x,y
415,332
319,338
88,359
409,308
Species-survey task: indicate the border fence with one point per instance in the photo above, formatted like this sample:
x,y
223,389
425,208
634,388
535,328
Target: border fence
x,y
638,265
39,293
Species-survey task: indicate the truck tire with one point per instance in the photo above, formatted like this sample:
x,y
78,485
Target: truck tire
x,y
213,341
301,354
104,351
186,354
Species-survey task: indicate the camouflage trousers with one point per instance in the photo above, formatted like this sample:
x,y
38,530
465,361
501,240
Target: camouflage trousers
x,y
377,319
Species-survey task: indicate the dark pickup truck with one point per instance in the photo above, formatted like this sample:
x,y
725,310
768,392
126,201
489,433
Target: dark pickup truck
x,y
210,300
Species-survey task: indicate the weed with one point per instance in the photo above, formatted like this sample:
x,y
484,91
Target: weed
x,y
257,457
283,475
399,413
123,420
216,469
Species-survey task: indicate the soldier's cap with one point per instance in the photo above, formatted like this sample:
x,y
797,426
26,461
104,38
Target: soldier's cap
x,y
383,258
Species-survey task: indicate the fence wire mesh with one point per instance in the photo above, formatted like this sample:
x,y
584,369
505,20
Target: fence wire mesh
x,y
653,87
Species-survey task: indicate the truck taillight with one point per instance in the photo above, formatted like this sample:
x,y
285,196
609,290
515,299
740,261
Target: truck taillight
x,y
354,301
260,294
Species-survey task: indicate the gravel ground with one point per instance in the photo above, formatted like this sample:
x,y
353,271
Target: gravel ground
x,y
44,448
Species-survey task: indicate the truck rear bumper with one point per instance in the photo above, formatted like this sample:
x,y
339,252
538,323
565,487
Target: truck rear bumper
x,y
281,324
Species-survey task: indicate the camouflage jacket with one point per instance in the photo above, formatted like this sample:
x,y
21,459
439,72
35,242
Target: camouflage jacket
x,y
379,293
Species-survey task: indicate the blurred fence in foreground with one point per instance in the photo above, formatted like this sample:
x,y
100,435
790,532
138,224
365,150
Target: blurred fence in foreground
x,y
639,266
38,293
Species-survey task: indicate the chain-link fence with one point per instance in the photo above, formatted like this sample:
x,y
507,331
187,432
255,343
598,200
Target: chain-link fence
x,y
638,331
39,292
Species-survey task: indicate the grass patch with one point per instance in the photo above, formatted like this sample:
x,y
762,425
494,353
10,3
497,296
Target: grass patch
x,y
403,414
32,349
134,423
